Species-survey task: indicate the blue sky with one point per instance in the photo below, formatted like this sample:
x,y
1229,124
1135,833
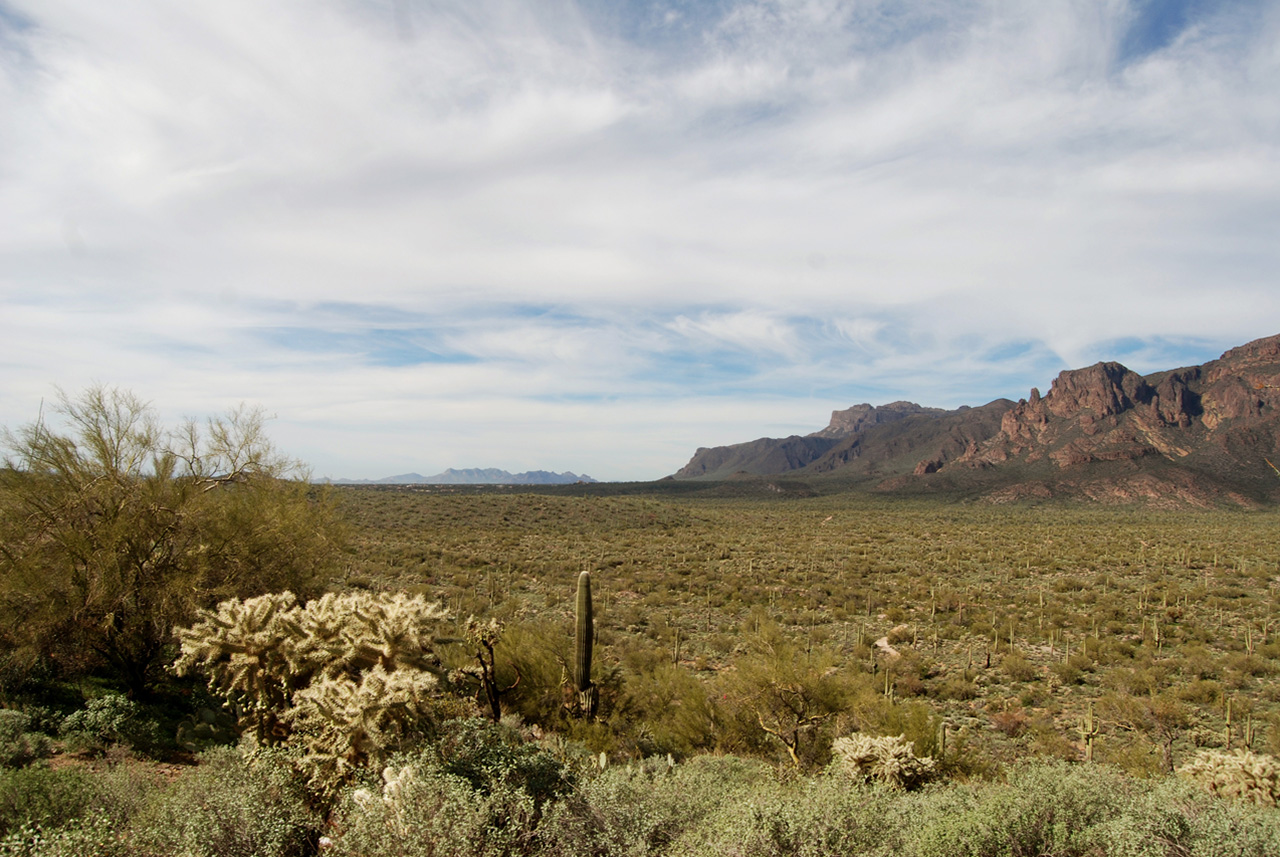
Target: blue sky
x,y
593,235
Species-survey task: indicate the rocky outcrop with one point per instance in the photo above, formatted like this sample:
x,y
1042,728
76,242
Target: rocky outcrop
x,y
1219,421
1189,436
763,457
862,441
859,418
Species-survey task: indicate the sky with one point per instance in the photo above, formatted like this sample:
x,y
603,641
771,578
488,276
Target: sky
x,y
597,235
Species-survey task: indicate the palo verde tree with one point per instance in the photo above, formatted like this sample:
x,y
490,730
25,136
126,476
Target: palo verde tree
x,y
782,693
113,529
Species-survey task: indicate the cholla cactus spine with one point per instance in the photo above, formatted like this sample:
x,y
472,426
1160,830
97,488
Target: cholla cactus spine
x,y
1239,773
889,759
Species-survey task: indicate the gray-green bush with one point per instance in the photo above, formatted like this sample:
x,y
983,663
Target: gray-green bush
x,y
233,804
422,812
645,809
19,745
41,796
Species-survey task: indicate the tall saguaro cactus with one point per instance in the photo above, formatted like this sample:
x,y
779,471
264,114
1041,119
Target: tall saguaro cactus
x,y
582,650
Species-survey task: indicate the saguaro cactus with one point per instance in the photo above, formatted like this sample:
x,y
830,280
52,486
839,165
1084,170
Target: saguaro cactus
x,y
1088,732
582,650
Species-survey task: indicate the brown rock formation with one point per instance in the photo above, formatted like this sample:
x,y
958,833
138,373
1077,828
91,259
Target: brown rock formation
x,y
1190,436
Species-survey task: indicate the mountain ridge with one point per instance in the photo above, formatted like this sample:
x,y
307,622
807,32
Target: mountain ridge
x,y
1196,435
475,476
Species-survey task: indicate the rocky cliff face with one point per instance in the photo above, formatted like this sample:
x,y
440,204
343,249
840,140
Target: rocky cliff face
x,y
1196,435
859,418
863,441
1217,423
763,457
1107,412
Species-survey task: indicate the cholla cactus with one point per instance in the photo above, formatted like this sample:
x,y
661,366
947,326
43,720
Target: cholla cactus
x,y
246,648
354,631
391,804
889,759
1243,774
343,722
348,677
394,783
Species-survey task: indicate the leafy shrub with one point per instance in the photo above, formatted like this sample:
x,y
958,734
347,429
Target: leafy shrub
x,y
1012,722
1019,668
74,812
233,804
1177,817
955,687
652,808
818,817
482,790
18,745
94,835
111,719
42,797
428,813
1044,808
490,755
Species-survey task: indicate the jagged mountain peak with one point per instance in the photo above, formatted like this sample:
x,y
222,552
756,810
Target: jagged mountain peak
x,y
1193,435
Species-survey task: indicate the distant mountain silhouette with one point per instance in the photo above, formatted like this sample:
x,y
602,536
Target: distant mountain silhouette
x,y
475,476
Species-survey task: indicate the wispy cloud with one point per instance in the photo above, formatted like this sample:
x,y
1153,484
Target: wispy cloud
x,y
417,229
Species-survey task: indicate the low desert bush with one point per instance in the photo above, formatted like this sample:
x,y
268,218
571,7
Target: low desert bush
x,y
111,719
1043,808
421,812
19,745
1018,668
490,756
651,808
94,835
39,796
235,803
1177,817
74,812
823,816
481,790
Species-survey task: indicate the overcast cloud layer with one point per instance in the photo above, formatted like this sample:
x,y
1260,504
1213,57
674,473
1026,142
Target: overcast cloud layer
x,y
593,236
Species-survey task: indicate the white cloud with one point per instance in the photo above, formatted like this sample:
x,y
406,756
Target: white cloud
x,y
747,331
566,217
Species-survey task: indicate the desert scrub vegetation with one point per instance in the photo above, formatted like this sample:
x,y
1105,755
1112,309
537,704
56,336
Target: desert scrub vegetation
x,y
495,793
735,645
971,612
114,529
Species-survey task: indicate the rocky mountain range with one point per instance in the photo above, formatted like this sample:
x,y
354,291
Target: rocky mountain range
x,y
1199,435
476,476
